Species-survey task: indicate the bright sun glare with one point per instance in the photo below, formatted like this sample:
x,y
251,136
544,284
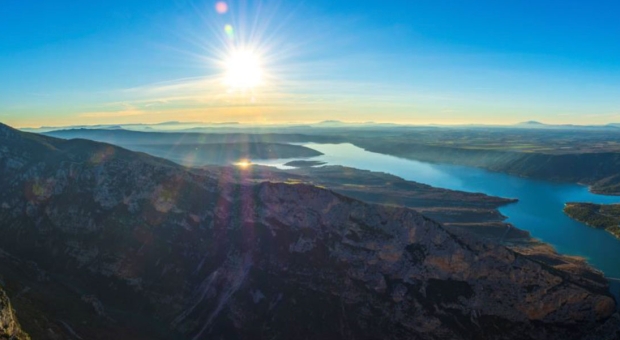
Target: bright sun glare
x,y
243,70
244,163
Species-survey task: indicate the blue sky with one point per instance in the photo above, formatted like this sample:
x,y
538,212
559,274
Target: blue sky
x,y
88,62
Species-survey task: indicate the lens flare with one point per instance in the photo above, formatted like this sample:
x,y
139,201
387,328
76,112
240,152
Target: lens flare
x,y
230,32
243,164
221,7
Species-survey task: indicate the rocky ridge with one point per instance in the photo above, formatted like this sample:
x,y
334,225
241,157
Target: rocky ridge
x,y
9,326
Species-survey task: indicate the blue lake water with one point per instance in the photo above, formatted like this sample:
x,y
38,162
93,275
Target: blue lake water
x,y
538,211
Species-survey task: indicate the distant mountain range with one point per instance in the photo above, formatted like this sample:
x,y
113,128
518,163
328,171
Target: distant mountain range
x,y
535,124
326,124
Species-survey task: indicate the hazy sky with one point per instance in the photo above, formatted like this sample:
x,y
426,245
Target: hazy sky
x,y
487,61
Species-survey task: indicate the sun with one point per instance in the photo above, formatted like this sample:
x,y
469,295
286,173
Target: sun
x,y
243,70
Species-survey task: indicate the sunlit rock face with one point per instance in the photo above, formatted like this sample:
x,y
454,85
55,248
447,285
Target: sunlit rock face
x,y
140,248
9,326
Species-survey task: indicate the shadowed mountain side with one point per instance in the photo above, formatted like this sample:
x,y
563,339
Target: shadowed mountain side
x,y
463,213
160,251
457,209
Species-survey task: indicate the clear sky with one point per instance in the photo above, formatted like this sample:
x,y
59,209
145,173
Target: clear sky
x,y
68,62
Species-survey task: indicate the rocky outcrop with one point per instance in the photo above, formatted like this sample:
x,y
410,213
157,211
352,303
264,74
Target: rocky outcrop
x,y
461,212
9,326
136,247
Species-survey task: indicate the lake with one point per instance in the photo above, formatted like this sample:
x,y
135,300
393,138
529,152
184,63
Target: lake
x,y
538,211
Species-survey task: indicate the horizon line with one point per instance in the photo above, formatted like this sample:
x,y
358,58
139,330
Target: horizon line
x,y
324,122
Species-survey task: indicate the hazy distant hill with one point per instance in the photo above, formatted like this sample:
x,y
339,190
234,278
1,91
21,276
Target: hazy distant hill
x,y
532,124
126,137
224,153
201,149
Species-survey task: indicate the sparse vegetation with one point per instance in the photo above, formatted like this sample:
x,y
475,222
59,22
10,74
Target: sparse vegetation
x,y
596,215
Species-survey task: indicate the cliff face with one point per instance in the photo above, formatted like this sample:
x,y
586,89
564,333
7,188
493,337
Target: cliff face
x,y
134,247
9,327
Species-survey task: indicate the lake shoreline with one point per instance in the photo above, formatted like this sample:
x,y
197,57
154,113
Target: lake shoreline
x,y
434,154
538,211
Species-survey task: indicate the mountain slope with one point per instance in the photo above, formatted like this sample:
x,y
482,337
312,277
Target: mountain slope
x,y
129,246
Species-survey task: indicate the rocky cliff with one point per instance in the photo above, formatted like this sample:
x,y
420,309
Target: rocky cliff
x,y
9,326
117,244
